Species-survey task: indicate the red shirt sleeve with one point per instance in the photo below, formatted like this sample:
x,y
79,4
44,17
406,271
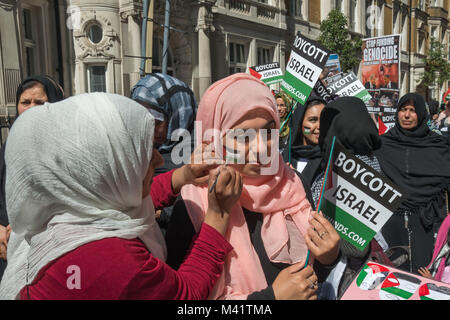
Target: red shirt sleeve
x,y
116,268
161,190
194,279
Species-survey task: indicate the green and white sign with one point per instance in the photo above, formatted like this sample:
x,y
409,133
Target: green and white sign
x,y
349,86
358,200
268,73
305,65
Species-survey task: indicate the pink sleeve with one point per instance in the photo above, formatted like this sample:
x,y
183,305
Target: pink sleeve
x,y
161,190
195,278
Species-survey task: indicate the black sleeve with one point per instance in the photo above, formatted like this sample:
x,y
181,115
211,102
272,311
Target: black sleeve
x,y
323,271
3,214
179,235
307,189
265,294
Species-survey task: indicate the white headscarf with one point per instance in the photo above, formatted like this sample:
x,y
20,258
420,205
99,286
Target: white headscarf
x,y
75,172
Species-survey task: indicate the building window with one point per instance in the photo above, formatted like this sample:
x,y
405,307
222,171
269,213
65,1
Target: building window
x,y
97,78
157,57
298,8
237,55
264,56
352,14
369,20
338,4
95,33
31,26
421,43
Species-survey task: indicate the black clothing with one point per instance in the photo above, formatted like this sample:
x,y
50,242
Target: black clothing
x,y
347,118
299,151
181,231
418,161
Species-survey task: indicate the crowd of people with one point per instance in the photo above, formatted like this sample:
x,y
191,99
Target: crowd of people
x,y
89,182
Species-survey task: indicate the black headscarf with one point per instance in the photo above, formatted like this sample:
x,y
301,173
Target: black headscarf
x,y
54,94
347,118
298,150
417,160
53,90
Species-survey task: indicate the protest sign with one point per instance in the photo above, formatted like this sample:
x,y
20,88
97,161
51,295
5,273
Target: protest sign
x,y
380,71
380,282
333,65
304,68
348,86
268,73
358,199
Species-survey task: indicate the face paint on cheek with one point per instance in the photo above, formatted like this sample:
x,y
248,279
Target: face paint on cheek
x,y
307,130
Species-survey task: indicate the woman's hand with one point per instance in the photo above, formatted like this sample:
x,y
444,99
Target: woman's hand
x,y
322,239
424,272
195,173
222,197
296,283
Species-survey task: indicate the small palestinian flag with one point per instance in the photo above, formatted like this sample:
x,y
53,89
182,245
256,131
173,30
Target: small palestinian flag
x,y
399,286
371,276
269,73
430,291
381,127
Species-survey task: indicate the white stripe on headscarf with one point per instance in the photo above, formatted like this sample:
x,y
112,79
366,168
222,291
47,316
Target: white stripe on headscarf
x,y
75,172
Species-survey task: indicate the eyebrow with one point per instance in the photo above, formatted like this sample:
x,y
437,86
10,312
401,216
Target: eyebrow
x,y
268,124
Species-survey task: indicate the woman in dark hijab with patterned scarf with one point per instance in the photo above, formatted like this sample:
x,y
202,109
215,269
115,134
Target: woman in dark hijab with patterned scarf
x,y
417,160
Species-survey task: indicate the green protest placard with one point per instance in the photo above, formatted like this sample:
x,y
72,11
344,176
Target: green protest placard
x,y
268,73
358,199
349,86
304,68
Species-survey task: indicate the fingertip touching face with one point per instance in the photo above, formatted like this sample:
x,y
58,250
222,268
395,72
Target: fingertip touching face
x,y
282,108
31,97
407,116
254,145
311,124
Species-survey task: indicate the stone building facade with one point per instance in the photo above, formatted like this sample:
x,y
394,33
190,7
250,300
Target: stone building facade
x,y
93,45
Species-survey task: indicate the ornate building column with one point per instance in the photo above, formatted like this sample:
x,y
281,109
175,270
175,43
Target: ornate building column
x,y
204,28
132,16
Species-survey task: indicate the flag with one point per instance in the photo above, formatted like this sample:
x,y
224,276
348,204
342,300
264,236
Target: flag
x,y
399,286
430,291
371,276
328,180
381,127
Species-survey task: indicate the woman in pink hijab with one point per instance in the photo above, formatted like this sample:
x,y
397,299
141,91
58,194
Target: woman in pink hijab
x,y
272,226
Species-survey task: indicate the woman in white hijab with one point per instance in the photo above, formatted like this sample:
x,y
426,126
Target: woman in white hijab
x,y
77,186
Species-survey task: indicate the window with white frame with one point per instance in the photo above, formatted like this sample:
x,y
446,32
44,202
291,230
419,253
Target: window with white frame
x,y
30,29
338,4
238,53
264,55
397,20
157,57
96,78
353,14
405,28
299,8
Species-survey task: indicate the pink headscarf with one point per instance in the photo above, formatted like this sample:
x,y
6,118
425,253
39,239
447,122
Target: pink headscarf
x,y
280,198
441,240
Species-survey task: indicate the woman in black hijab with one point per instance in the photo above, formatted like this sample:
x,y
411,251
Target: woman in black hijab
x,y
32,91
348,120
304,152
417,160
